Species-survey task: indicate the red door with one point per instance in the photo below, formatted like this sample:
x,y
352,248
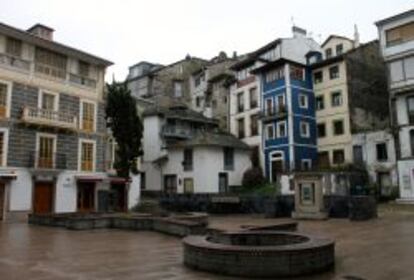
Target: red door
x,y
43,198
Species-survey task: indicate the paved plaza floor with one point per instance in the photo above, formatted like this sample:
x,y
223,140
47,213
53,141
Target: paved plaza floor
x,y
378,249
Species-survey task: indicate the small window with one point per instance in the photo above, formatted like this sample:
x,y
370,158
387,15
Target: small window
x,y
320,104
321,130
412,141
338,156
306,164
88,116
338,127
240,127
269,107
410,109
4,89
14,47
188,160
178,89
357,153
83,69
382,154
281,129
336,99
198,101
297,73
303,101
254,123
87,156
228,158
270,132
334,72
328,53
339,49
240,102
318,77
304,129
253,98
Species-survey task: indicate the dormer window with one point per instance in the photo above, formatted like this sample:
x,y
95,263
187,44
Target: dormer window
x,y
14,47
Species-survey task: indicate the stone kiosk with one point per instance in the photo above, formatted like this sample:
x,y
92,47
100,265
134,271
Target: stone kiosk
x,y
309,203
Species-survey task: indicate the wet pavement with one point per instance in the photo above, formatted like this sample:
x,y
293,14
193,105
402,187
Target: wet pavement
x,y
378,249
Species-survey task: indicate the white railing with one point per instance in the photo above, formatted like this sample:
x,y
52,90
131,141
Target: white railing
x,y
14,62
49,118
50,71
83,81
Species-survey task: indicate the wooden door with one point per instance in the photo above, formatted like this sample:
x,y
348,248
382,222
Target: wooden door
x,y
43,198
86,197
223,183
2,200
277,169
170,183
119,197
188,185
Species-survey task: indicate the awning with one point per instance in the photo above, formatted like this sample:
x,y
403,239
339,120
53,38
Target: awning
x,y
119,180
89,179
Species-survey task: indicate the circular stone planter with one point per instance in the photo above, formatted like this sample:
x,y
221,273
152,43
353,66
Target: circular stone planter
x,y
259,254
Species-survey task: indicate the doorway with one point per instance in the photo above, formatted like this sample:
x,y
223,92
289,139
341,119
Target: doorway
x,y
223,183
118,193
170,183
43,197
86,197
276,166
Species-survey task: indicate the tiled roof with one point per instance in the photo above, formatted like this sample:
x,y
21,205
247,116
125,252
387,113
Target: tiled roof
x,y
218,139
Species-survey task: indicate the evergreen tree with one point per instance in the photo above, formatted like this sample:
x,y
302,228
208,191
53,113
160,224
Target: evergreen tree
x,y
123,120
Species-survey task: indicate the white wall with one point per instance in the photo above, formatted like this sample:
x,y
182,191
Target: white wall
x,y
134,192
20,191
66,193
152,142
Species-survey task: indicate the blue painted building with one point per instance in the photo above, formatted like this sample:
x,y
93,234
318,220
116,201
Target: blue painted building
x,y
288,117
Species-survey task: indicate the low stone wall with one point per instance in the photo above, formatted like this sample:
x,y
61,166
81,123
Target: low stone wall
x,y
179,225
259,254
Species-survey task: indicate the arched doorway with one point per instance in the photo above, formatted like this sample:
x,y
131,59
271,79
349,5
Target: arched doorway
x,y
277,163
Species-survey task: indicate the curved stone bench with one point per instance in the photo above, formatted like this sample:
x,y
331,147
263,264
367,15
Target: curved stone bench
x,y
259,253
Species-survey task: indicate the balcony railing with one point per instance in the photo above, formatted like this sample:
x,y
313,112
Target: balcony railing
x,y
52,161
274,114
49,118
50,71
176,131
14,62
83,81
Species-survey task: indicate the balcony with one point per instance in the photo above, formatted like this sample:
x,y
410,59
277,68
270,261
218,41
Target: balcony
x,y
273,114
52,161
82,81
50,71
175,131
49,118
14,62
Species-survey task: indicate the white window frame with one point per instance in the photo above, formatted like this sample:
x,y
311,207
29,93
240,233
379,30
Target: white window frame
x,y
46,135
267,132
5,147
306,105
276,156
278,135
81,113
307,134
8,97
40,99
91,141
308,161
341,98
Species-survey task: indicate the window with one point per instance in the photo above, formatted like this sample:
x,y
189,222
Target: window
x,y
334,72
46,151
400,34
382,154
188,185
188,160
48,101
269,107
320,104
412,141
410,109
178,89
307,193
338,156
281,129
321,130
240,127
297,73
3,147
338,127
198,101
357,153
253,98
339,49
270,132
328,53
83,69
318,77
87,156
240,102
304,129
4,93
336,99
303,101
50,63
323,159
254,125
88,116
274,75
280,99
14,47
306,164
228,158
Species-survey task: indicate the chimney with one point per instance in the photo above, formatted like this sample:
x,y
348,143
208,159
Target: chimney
x,y
41,31
356,36
298,32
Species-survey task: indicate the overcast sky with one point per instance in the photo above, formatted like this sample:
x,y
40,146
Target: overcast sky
x,y
164,31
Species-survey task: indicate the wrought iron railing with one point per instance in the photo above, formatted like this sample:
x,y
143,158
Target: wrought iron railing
x,y
83,81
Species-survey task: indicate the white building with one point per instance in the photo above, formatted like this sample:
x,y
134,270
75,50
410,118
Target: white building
x,y
396,36
245,100
185,153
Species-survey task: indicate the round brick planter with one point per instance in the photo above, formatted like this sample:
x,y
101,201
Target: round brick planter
x,y
259,254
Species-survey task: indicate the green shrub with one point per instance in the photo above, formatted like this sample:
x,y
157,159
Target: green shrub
x,y
253,177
